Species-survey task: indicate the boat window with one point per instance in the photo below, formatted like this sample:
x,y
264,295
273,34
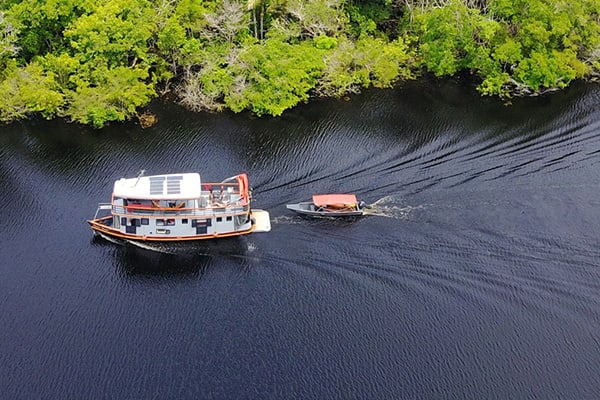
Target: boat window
x,y
134,222
219,219
184,221
145,221
229,218
123,221
170,222
160,222
201,222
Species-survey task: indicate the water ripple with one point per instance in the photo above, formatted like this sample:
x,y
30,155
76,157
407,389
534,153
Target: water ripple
x,y
474,274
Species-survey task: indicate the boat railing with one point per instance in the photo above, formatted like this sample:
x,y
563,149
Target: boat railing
x,y
210,210
103,207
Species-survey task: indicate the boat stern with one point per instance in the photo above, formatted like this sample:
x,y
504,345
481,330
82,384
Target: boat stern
x,y
261,221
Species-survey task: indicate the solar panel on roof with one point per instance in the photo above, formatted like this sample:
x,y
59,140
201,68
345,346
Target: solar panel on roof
x,y
174,184
156,184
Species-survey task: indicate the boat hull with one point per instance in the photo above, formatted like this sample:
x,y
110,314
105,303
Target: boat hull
x,y
98,227
309,209
102,227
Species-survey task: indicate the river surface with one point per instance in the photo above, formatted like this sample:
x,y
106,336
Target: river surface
x,y
475,276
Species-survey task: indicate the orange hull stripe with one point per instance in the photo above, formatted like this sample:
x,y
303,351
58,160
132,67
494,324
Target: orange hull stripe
x,y
96,226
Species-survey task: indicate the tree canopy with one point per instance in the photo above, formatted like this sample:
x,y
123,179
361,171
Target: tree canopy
x,y
98,61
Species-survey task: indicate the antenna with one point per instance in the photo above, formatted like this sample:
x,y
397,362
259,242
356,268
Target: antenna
x,y
142,172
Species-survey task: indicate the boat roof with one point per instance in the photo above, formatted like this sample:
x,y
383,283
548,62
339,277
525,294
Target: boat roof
x,y
321,200
159,187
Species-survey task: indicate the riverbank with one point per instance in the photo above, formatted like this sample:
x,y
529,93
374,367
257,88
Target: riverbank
x,y
104,62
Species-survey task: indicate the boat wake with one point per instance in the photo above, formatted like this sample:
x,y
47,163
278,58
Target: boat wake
x,y
159,248
108,238
155,247
288,219
390,207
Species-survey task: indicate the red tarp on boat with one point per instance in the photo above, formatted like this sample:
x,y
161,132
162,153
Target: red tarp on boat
x,y
334,200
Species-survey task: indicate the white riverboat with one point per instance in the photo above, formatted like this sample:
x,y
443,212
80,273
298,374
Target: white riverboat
x,y
178,207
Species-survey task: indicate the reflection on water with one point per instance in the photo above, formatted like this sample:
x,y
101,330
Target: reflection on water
x,y
176,258
474,274
135,262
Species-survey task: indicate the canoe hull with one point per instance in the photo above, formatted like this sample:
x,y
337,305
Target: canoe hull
x,y
309,209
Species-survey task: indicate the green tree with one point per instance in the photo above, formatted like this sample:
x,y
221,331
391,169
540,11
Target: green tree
x,y
279,77
116,95
454,37
518,47
28,90
96,61
8,40
41,23
265,78
350,66
115,34
548,43
105,69
373,17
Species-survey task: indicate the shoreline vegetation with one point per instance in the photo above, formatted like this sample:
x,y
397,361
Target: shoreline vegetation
x,y
98,61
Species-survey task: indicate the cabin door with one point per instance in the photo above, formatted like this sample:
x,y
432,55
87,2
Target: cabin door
x,y
201,225
132,225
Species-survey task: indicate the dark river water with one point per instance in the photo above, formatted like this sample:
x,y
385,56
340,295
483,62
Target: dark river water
x,y
475,276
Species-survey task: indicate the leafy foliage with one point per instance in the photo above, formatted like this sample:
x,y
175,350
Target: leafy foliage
x,y
279,77
97,61
265,78
368,17
114,34
41,23
115,96
549,43
28,90
519,47
368,61
8,39
99,70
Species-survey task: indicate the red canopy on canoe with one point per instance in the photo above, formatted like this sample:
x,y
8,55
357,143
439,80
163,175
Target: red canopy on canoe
x,y
334,200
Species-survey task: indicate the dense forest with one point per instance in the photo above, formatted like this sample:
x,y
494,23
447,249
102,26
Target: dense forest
x,y
97,61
